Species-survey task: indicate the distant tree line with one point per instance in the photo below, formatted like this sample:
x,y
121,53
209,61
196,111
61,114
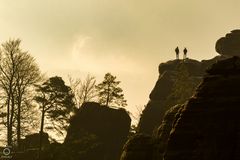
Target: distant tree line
x,y
31,102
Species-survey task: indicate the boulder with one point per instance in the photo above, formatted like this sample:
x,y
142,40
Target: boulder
x,y
138,147
230,44
99,131
32,141
209,124
160,97
143,147
163,132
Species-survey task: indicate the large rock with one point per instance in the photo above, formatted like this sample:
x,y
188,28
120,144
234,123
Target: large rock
x,y
160,100
29,147
138,147
230,44
143,147
207,127
209,124
163,132
32,141
98,131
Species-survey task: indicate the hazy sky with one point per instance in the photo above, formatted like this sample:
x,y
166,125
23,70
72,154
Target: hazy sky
x,y
128,38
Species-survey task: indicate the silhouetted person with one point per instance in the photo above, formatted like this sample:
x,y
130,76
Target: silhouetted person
x,y
185,53
177,53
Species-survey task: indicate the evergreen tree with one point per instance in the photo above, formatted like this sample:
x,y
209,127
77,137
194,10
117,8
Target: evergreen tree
x,y
56,103
109,93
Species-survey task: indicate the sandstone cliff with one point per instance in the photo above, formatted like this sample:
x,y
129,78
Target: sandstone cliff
x,y
205,128
166,92
143,147
208,127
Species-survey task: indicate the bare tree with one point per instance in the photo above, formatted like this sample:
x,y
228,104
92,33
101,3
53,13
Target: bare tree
x,y
84,91
9,57
28,74
29,111
136,115
18,73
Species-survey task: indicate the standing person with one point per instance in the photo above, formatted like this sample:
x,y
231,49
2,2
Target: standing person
x,y
185,53
177,53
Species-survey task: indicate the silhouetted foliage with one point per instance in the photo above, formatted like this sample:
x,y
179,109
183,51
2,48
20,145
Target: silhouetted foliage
x,y
18,74
84,90
56,103
136,118
109,92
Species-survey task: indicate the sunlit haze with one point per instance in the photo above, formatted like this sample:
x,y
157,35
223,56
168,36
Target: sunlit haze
x,y
128,38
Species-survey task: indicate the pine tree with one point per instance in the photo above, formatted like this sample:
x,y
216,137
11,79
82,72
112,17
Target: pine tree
x,y
109,93
56,103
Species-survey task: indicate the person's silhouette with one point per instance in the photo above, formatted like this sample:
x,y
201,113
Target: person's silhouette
x,y
177,53
185,53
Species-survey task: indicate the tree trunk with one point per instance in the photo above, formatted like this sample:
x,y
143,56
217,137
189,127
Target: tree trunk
x,y
19,124
19,105
108,95
11,120
9,115
41,133
8,123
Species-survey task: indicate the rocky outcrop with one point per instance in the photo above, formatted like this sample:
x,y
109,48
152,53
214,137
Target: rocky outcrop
x,y
230,44
142,147
29,147
205,128
98,131
32,141
208,127
138,147
95,133
160,97
163,132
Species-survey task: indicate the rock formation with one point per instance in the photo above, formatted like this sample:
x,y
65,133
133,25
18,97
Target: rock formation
x,y
102,130
95,133
138,147
29,148
143,147
160,97
205,128
163,132
230,44
208,127
32,141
